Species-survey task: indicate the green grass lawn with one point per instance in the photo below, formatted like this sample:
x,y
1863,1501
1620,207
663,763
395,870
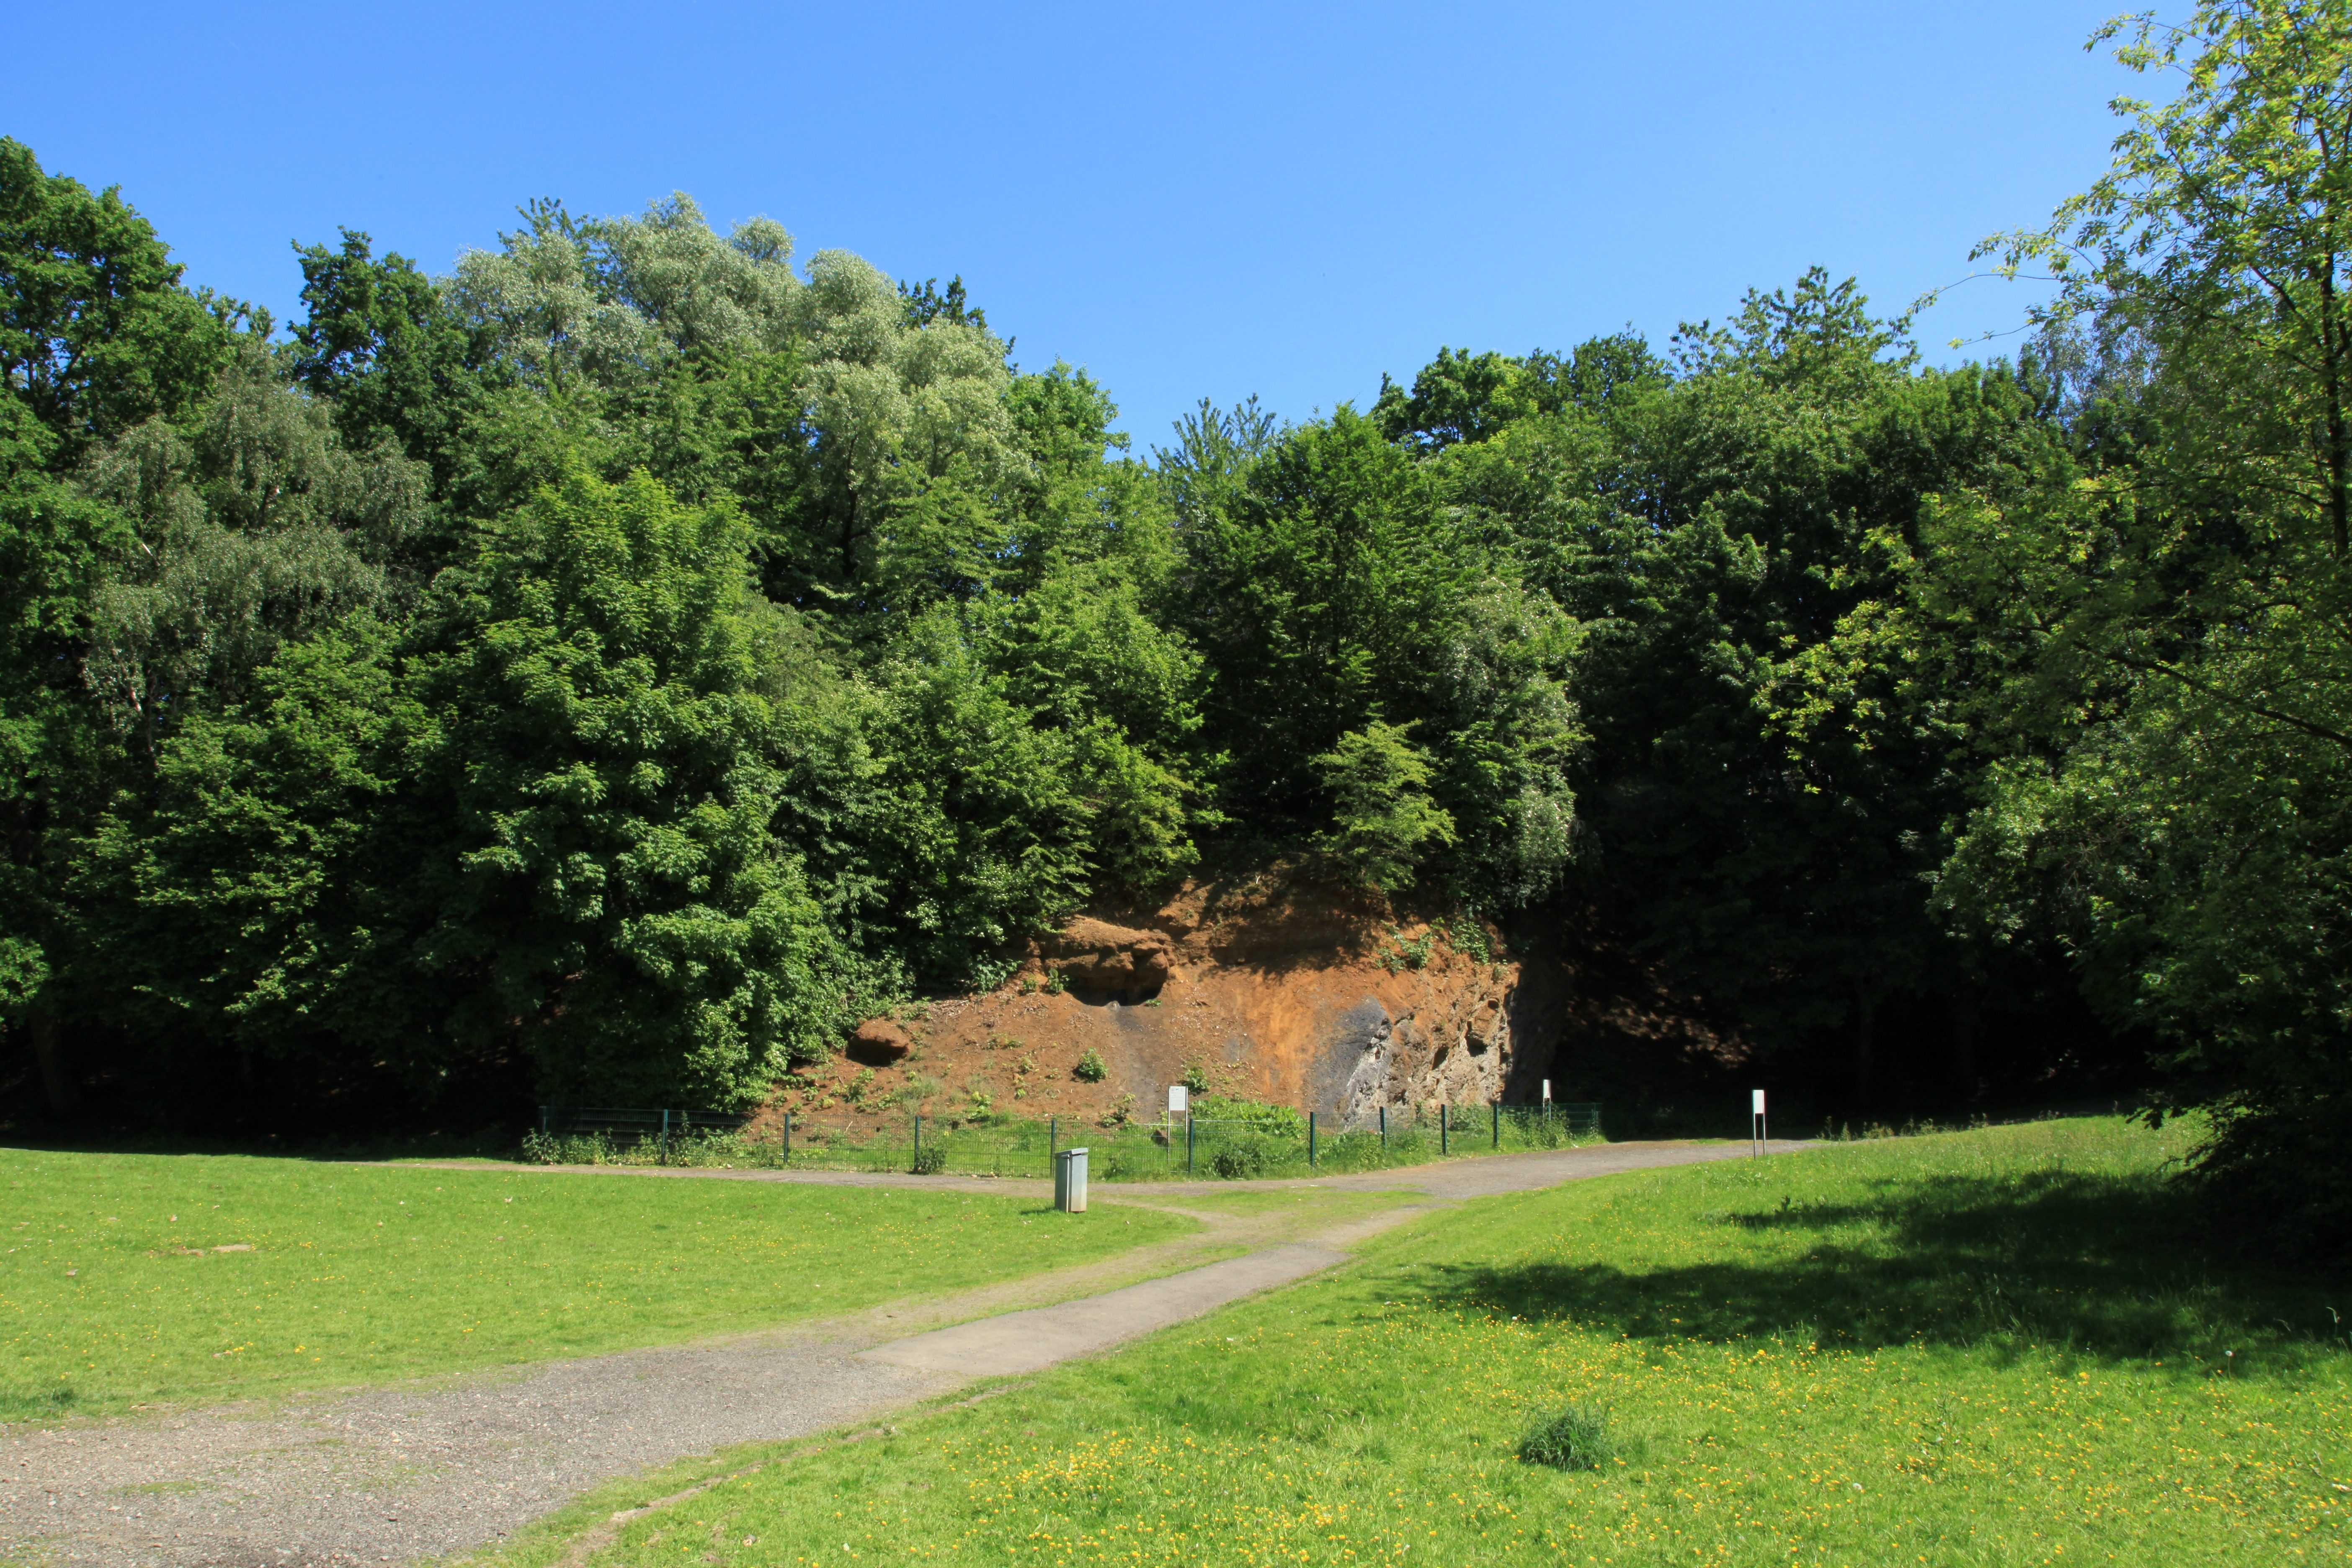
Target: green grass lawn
x,y
114,1292
1986,1348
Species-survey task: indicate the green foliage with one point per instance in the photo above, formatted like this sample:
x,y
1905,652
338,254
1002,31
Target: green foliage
x,y
1318,591
984,834
1332,595
383,347
264,897
599,734
1413,954
2167,621
1272,1119
1461,397
1090,1067
1571,1439
256,525
1381,811
95,333
97,337
1771,768
1468,935
1243,1156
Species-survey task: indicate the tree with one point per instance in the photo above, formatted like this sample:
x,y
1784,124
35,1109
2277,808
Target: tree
x,y
1329,591
2178,815
382,346
1461,397
912,448
1770,759
96,336
1318,595
95,333
614,893
253,919
255,525
1382,816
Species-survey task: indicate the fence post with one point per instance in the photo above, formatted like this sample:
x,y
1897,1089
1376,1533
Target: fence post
x,y
665,1136
1310,1140
1052,1139
1188,1142
1444,1132
1384,1130
1497,1109
788,1137
919,1138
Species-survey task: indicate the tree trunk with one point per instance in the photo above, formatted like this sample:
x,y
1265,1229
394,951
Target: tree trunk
x,y
64,1098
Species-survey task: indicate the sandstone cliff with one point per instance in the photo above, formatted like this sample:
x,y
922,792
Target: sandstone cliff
x,y
1309,996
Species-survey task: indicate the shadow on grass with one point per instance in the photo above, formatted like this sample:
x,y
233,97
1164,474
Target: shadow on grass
x,y
2105,1266
491,1143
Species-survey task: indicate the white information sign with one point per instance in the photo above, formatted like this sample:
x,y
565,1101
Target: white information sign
x,y
1180,1099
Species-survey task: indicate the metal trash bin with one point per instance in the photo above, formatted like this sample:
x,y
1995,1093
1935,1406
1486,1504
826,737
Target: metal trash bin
x,y
1070,1180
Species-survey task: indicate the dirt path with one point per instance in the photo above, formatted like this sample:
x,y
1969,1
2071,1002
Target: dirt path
x,y
391,1474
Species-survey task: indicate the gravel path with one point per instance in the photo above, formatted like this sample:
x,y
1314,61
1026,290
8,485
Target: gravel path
x,y
389,1475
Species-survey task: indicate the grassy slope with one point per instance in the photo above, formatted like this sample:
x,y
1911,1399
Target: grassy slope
x,y
1983,1348
359,1274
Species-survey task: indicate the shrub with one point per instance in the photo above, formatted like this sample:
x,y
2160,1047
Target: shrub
x,y
1196,1078
1239,1159
583,1149
1260,1117
930,1160
1090,1067
1572,1439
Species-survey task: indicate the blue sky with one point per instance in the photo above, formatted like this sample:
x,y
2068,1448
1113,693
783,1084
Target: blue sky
x,y
1190,200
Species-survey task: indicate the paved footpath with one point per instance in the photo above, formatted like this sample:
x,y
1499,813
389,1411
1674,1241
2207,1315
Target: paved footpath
x,y
387,1475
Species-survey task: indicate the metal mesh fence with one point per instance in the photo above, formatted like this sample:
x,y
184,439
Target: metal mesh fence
x,y
1280,1143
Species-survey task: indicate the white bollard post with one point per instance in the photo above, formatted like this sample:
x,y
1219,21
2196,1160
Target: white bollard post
x,y
1756,1123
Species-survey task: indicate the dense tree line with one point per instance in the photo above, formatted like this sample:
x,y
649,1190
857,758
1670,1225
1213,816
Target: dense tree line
x,y
620,663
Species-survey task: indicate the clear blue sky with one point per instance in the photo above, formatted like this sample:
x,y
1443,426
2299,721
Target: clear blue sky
x,y
1196,199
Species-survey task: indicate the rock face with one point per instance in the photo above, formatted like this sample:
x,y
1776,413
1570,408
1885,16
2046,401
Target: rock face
x,y
1095,956
1293,994
1452,1049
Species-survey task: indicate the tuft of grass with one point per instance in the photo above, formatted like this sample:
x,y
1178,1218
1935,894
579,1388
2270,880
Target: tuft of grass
x,y
1571,1439
129,1280
1994,1348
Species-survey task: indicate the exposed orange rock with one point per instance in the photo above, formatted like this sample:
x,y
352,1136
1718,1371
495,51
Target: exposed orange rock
x,y
879,1042
1095,955
1292,993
